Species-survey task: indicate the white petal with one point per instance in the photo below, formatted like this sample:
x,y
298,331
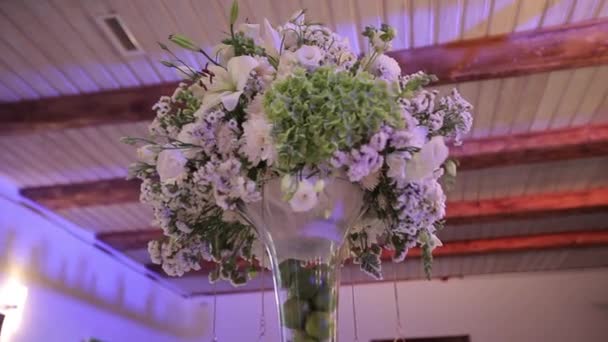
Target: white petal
x,y
230,100
423,163
210,100
271,41
239,69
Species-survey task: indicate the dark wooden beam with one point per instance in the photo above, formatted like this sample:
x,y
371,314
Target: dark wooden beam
x,y
569,46
108,107
573,143
538,147
476,247
65,196
527,206
458,213
131,239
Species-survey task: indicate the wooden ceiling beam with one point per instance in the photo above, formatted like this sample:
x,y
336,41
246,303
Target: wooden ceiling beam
x,y
514,54
569,46
458,213
73,111
537,147
73,195
513,244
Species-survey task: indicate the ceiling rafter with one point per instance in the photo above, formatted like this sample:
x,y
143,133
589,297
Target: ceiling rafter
x,y
458,213
568,46
539,242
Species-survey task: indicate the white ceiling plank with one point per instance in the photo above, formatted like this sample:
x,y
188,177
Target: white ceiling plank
x,y
52,47
592,98
343,14
7,94
530,14
486,104
601,114
367,13
16,56
603,12
15,84
476,16
504,16
212,20
449,20
555,90
34,81
186,21
164,22
49,19
558,12
570,101
509,100
398,15
585,10
423,22
534,88
82,23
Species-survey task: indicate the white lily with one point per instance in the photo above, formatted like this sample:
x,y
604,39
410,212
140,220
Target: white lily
x,y
228,84
265,36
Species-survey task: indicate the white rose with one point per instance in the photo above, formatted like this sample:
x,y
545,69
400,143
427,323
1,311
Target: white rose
x,y
386,68
170,164
427,160
147,154
309,57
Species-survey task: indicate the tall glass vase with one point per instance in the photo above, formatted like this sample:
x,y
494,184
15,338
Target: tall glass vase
x,y
305,251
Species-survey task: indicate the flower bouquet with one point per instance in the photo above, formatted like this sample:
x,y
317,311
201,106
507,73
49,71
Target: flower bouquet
x,y
289,144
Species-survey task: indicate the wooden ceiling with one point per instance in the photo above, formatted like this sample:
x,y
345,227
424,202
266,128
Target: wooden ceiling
x,y
532,193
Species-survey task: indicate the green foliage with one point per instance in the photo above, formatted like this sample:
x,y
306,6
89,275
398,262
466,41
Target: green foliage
x,y
315,114
243,45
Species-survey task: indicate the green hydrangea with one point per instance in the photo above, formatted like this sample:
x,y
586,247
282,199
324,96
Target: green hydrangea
x,y
315,114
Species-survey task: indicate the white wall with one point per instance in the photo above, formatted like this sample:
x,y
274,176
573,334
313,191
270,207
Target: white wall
x,y
561,306
76,291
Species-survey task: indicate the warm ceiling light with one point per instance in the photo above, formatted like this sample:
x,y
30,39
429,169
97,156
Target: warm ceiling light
x,y
12,300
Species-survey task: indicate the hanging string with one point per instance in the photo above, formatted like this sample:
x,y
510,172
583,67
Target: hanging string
x,y
214,310
398,328
263,313
352,295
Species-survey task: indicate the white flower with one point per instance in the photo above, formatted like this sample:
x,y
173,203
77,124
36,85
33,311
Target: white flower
x,y
186,134
223,53
305,197
265,36
386,68
257,144
171,164
396,162
309,57
147,154
380,45
427,160
287,64
228,84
